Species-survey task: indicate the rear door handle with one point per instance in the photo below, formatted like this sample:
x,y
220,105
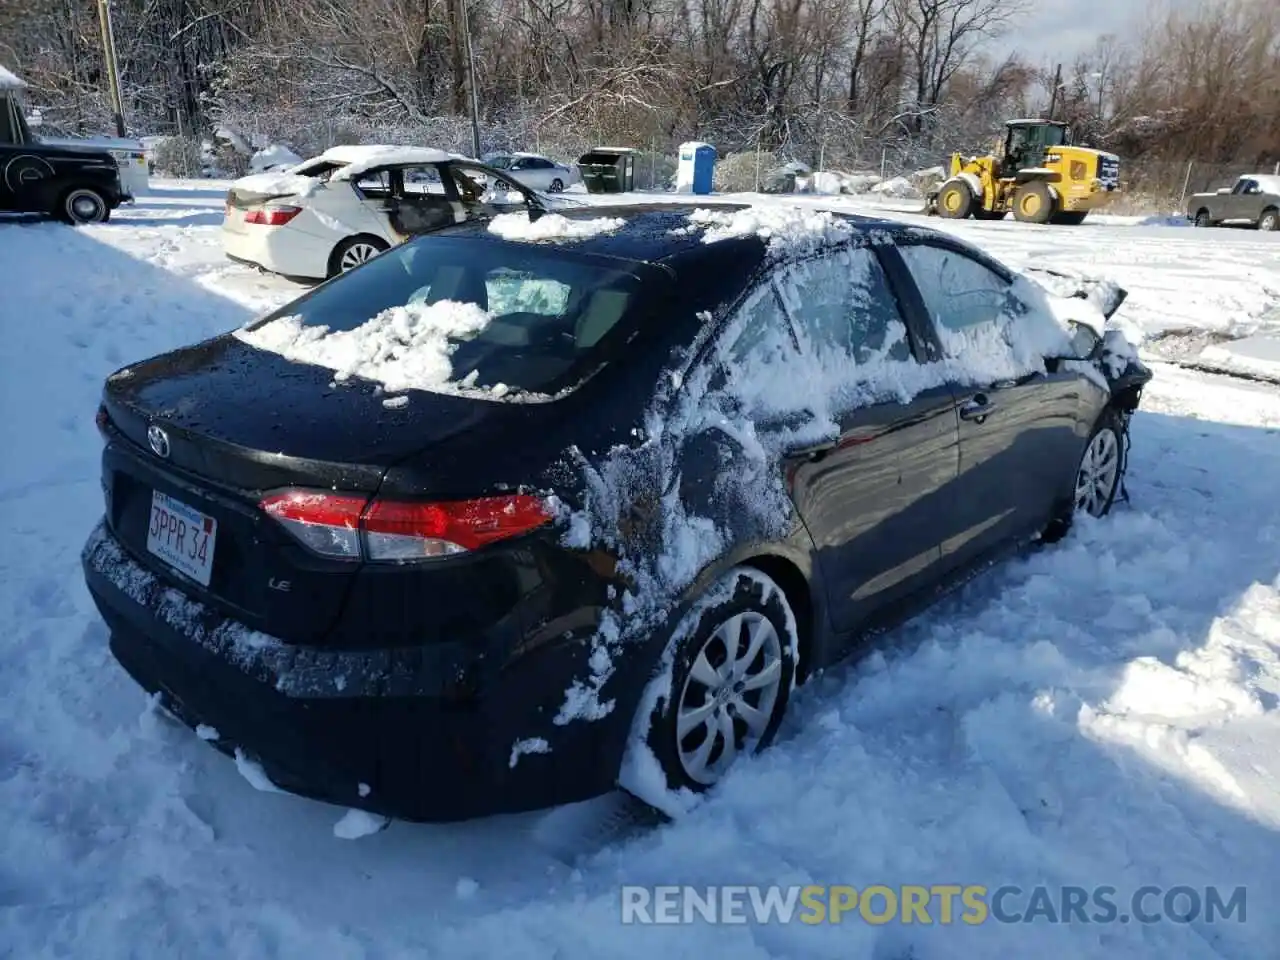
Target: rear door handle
x,y
977,409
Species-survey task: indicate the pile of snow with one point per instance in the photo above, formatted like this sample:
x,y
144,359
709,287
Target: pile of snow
x,y
277,184
1257,356
827,183
10,80
359,160
550,226
274,157
403,348
898,187
784,227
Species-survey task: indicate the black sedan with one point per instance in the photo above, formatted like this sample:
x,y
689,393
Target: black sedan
x,y
507,516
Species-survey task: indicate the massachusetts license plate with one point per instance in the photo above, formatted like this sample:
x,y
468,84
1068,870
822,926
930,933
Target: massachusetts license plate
x,y
182,537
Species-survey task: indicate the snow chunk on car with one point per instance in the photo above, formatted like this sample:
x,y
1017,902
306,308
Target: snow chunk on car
x,y
357,160
403,348
550,226
784,227
279,184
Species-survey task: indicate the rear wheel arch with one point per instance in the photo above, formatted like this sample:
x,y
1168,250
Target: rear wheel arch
x,y
799,593
778,563
347,243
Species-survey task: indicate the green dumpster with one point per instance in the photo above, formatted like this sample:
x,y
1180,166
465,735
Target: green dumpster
x,y
608,169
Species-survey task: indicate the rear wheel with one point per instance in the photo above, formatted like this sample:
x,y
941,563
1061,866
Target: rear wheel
x,y
353,251
1033,202
556,186
733,662
1270,219
84,205
955,200
1202,219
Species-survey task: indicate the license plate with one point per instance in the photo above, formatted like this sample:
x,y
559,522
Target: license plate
x,y
182,537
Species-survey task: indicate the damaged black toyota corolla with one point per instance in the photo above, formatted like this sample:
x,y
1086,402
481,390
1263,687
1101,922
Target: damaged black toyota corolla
x,y
506,517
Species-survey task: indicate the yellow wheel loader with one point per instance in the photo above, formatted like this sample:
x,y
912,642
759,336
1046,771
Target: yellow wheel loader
x,y
1035,173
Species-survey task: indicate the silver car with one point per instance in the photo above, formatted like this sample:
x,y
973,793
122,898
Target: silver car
x,y
534,171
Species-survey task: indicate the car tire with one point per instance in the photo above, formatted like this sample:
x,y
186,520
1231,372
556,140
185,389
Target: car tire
x,y
1270,219
81,205
1101,467
702,699
354,251
1202,219
556,186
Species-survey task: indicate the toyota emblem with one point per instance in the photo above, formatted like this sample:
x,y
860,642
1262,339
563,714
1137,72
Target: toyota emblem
x,y
159,441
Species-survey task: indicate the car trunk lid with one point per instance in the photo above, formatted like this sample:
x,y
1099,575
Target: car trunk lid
x,y
213,428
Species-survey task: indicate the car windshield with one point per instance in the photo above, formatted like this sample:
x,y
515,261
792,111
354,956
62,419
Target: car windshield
x,y
458,313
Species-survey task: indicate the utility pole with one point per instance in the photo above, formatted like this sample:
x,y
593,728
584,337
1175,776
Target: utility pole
x,y
113,69
471,81
1053,97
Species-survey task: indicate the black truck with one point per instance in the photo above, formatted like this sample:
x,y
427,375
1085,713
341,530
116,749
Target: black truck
x,y
72,183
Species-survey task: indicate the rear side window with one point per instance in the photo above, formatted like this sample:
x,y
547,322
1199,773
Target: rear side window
x,y
842,304
376,184
546,313
959,292
423,180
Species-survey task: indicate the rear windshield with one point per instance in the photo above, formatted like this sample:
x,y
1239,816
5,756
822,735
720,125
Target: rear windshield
x,y
504,317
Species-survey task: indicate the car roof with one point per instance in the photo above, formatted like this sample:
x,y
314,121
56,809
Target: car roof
x,y
655,233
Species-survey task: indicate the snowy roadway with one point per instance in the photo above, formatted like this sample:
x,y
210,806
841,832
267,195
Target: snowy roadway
x,y
1103,712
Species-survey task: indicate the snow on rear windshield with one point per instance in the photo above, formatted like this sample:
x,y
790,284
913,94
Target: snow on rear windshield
x,y
455,315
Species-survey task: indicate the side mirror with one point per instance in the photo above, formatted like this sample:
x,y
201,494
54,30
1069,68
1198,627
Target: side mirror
x,y
1085,342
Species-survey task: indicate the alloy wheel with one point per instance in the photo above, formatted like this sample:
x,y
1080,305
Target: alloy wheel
x,y
1099,471
729,696
357,254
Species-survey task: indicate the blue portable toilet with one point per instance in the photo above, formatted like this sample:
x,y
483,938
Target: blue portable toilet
x,y
696,167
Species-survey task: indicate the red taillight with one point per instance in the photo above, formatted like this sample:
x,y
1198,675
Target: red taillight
x,y
345,525
273,216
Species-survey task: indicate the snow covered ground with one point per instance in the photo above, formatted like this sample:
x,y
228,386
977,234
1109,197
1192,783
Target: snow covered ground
x,y
1100,712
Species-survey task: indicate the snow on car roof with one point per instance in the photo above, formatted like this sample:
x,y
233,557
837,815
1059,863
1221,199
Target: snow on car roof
x,y
10,81
359,159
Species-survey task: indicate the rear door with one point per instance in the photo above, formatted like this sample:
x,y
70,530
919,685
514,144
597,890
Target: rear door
x,y
874,492
420,200
1020,436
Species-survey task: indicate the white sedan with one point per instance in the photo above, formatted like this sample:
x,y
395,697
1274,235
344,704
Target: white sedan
x,y
332,213
534,171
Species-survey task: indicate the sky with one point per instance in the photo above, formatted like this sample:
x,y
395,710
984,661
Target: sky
x,y
1059,30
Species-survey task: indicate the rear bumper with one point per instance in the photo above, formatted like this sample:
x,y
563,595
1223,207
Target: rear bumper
x,y
405,733
283,250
